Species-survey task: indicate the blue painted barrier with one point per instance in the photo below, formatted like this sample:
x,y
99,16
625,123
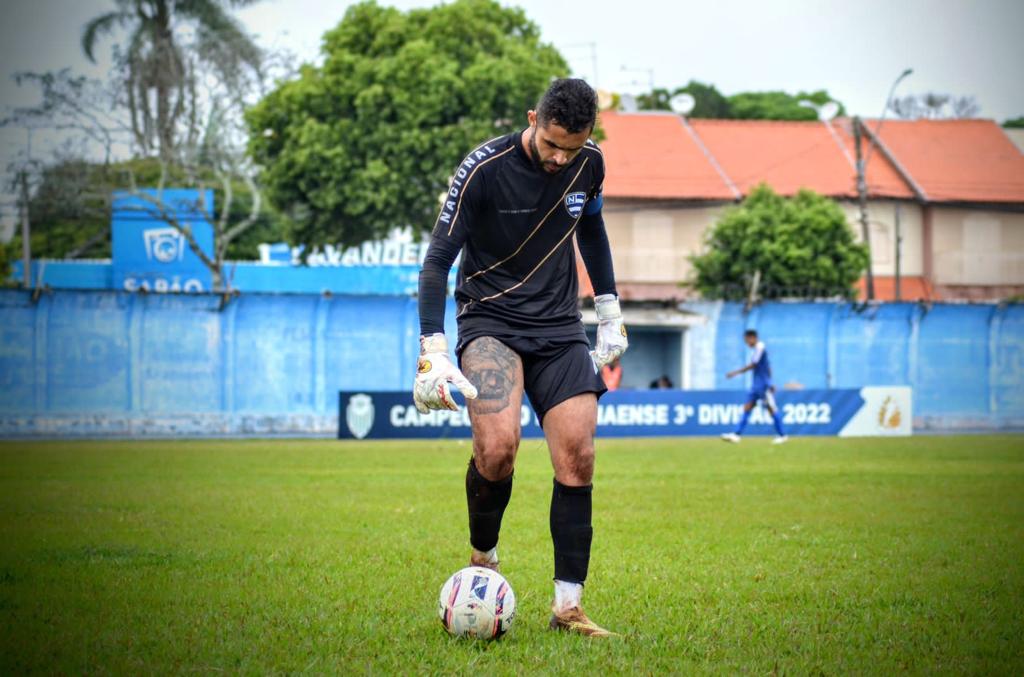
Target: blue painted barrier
x,y
85,362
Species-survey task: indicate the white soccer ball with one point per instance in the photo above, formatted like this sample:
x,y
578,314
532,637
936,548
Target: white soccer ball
x,y
477,602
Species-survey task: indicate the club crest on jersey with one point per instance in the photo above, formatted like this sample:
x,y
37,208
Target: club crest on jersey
x,y
574,204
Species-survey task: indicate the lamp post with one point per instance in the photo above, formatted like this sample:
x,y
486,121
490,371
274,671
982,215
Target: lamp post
x,y
862,185
888,100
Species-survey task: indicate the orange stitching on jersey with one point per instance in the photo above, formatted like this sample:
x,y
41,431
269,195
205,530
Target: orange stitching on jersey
x,y
536,228
465,186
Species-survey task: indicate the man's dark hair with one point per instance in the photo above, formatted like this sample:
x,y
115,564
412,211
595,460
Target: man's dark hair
x,y
750,332
570,103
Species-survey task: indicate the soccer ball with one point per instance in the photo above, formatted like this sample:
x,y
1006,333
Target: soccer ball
x,y
476,602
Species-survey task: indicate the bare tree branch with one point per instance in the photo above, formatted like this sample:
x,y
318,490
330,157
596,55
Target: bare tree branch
x,y
254,213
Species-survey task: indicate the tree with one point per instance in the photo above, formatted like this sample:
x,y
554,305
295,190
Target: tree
x,y
368,141
71,208
712,104
800,246
1014,123
10,251
709,102
935,106
777,105
656,99
157,73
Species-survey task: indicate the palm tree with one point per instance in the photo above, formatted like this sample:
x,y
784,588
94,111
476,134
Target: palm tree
x,y
159,73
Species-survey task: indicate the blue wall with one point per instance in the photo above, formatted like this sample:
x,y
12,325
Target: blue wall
x,y
964,362
118,363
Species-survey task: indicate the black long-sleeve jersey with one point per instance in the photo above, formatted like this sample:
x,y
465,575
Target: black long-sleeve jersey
x,y
514,224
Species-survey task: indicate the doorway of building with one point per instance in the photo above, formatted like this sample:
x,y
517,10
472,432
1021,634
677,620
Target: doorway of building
x,y
653,352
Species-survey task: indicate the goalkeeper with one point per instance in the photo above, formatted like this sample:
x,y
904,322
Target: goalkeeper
x,y
512,209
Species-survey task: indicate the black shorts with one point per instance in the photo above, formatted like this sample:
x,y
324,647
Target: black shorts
x,y
554,368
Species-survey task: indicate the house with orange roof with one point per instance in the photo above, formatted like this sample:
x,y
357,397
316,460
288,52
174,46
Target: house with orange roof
x,y
946,198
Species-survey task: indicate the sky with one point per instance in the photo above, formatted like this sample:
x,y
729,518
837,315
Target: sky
x,y
855,50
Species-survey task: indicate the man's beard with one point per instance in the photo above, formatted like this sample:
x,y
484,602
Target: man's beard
x,y
535,156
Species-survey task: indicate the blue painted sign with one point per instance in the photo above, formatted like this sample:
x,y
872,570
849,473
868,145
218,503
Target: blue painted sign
x,y
151,254
850,412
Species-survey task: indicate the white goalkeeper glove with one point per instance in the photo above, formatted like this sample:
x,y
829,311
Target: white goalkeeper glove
x,y
434,371
611,333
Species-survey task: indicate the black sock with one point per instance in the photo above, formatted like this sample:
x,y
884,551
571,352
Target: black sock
x,y
571,532
486,501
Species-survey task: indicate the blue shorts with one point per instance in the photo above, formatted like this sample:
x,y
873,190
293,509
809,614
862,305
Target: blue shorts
x,y
763,392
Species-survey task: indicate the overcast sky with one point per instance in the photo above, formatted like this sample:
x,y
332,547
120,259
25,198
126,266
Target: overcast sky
x,y
853,49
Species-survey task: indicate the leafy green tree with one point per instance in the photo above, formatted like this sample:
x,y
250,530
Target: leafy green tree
x,y
709,102
1014,123
712,104
367,141
656,99
159,72
777,105
9,253
799,246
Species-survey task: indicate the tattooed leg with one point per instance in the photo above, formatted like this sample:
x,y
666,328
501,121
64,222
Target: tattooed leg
x,y
497,372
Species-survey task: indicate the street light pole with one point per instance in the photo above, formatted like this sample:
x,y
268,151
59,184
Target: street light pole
x,y
888,101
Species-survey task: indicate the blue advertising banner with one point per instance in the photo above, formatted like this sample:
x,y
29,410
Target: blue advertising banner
x,y
149,253
652,413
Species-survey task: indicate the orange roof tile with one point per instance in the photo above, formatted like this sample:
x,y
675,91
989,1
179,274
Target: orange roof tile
x,y
651,155
957,160
794,155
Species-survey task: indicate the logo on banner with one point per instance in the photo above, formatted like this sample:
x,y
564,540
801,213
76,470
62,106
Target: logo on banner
x,y
889,415
574,203
359,415
164,244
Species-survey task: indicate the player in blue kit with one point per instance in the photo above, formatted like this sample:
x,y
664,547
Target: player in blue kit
x,y
760,390
513,209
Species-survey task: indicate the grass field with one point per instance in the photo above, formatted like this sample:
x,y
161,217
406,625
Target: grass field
x,y
824,556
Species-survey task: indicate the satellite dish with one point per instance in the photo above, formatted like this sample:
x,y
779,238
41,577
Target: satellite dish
x,y
605,99
828,111
627,103
682,103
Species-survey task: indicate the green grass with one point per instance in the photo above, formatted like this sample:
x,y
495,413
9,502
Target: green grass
x,y
824,556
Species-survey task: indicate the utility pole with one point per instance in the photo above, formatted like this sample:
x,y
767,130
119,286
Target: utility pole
x,y
862,186
26,247
899,252
862,202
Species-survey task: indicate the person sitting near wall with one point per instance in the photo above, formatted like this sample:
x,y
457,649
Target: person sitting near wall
x,y
663,382
612,375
